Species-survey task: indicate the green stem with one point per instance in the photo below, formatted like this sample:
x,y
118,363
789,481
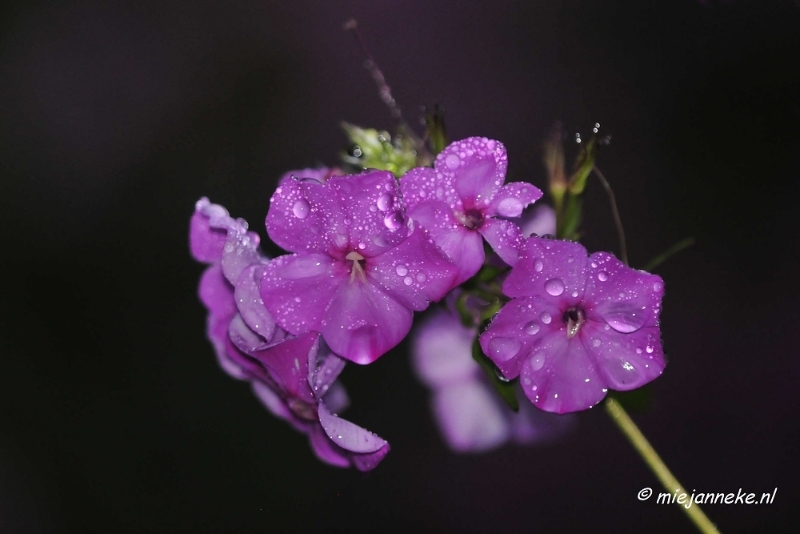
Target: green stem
x,y
651,458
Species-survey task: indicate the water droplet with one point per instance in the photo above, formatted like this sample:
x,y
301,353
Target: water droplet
x,y
393,220
546,318
602,276
574,294
452,162
638,350
407,280
537,362
385,202
501,376
594,265
554,286
624,321
509,207
503,348
649,349
538,265
595,342
532,328
421,277
362,246
301,209
401,269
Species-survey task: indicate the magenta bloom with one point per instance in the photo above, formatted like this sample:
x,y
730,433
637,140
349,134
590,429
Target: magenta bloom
x,y
458,200
360,267
470,414
576,327
288,374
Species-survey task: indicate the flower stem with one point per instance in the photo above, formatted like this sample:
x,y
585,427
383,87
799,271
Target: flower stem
x,y
651,458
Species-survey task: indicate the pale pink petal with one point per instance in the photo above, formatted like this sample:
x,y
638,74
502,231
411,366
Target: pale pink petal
x,y
326,450
297,289
247,295
348,436
366,322
470,417
504,237
206,242
539,220
322,374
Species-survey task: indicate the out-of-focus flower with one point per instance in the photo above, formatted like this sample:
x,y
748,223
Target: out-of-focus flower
x,y
539,220
458,199
576,327
288,374
360,267
469,413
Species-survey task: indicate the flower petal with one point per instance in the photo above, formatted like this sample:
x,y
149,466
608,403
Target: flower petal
x,y
513,198
463,246
348,436
322,376
325,449
470,417
287,365
248,301
517,330
366,322
240,250
504,237
478,166
539,220
206,242
414,273
442,350
297,289
424,184
560,376
625,361
549,268
625,298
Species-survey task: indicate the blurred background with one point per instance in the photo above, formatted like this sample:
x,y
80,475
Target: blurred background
x,y
115,117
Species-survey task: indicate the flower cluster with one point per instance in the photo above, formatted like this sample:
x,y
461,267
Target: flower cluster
x,y
365,251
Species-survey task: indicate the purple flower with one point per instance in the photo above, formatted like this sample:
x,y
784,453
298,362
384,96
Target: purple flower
x,y
320,174
458,200
289,375
576,326
296,381
360,267
470,415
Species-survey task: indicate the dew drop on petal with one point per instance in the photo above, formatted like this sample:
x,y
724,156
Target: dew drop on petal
x,y
602,276
546,318
649,349
401,269
538,265
625,322
503,348
509,207
452,161
596,342
574,294
301,209
537,362
554,286
385,202
532,328
393,220
407,280
421,277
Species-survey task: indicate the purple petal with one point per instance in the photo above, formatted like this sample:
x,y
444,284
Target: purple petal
x,y
298,289
336,398
369,461
326,450
287,364
442,350
366,322
470,417
518,329
217,295
624,298
463,246
513,198
240,250
532,425
321,175
560,376
504,237
551,269
539,220
478,166
625,361
304,217
374,211
243,337
271,400
248,301
322,376
424,184
206,242
348,436
414,273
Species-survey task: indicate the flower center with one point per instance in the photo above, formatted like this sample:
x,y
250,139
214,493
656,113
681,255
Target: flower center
x,y
574,319
357,271
471,218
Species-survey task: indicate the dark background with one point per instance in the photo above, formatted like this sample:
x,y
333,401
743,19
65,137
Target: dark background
x,y
115,117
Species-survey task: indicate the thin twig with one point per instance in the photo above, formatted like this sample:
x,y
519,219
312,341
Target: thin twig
x,y
677,247
623,252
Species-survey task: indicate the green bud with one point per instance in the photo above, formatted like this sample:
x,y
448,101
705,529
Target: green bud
x,y
374,149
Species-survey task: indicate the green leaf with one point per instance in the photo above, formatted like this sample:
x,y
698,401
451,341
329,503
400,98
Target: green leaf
x,y
435,131
504,388
374,149
661,258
